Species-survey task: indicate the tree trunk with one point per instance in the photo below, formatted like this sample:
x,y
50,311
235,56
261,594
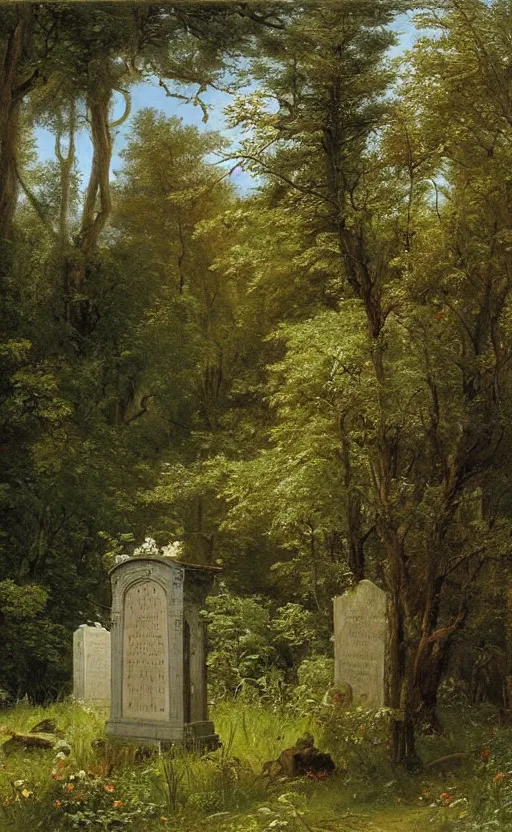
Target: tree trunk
x,y
10,102
430,675
402,642
98,199
356,561
508,682
80,312
66,162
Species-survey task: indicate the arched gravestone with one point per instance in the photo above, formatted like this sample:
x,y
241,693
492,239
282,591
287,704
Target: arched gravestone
x,y
159,652
360,644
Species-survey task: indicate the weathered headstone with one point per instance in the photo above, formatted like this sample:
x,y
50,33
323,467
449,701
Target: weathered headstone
x,y
159,652
91,665
360,643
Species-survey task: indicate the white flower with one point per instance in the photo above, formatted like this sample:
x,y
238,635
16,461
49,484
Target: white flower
x,y
172,550
149,547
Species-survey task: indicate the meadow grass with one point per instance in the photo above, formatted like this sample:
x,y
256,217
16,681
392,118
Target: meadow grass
x,y
223,791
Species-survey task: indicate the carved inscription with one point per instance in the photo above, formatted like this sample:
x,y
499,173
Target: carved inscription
x,y
145,652
97,664
360,643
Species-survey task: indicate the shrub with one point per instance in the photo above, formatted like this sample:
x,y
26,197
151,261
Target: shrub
x,y
314,675
357,738
255,650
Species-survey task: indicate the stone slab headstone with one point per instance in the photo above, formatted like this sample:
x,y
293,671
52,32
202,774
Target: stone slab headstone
x,y
91,665
360,644
158,652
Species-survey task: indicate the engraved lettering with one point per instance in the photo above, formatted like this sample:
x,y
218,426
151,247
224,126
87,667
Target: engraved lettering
x,y
145,652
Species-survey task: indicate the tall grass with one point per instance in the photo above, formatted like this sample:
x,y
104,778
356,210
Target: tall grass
x,y
258,735
178,784
222,791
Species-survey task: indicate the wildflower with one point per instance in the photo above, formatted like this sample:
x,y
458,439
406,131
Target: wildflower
x,y
485,754
118,804
60,757
70,787
499,777
26,793
56,775
81,774
18,784
164,820
109,787
57,803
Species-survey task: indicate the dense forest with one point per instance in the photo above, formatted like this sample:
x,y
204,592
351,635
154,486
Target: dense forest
x,y
308,382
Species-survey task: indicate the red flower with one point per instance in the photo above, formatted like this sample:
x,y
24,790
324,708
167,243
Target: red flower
x,y
485,754
109,788
499,777
118,804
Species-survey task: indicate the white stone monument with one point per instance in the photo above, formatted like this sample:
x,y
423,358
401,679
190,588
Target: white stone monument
x,y
360,644
91,665
159,652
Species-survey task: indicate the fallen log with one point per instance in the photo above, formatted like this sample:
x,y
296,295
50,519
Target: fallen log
x,y
302,759
26,742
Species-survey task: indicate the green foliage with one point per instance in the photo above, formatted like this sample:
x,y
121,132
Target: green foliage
x,y
21,602
240,642
314,678
357,738
255,648
309,384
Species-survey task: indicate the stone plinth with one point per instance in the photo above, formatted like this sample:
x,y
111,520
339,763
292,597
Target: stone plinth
x,y
159,652
360,644
91,665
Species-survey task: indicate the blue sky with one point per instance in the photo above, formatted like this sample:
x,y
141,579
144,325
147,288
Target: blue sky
x,y
151,95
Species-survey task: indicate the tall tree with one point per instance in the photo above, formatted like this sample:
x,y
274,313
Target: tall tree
x,y
396,377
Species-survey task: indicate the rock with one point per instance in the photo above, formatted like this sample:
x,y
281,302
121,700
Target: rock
x,y
99,744
46,726
339,697
63,747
